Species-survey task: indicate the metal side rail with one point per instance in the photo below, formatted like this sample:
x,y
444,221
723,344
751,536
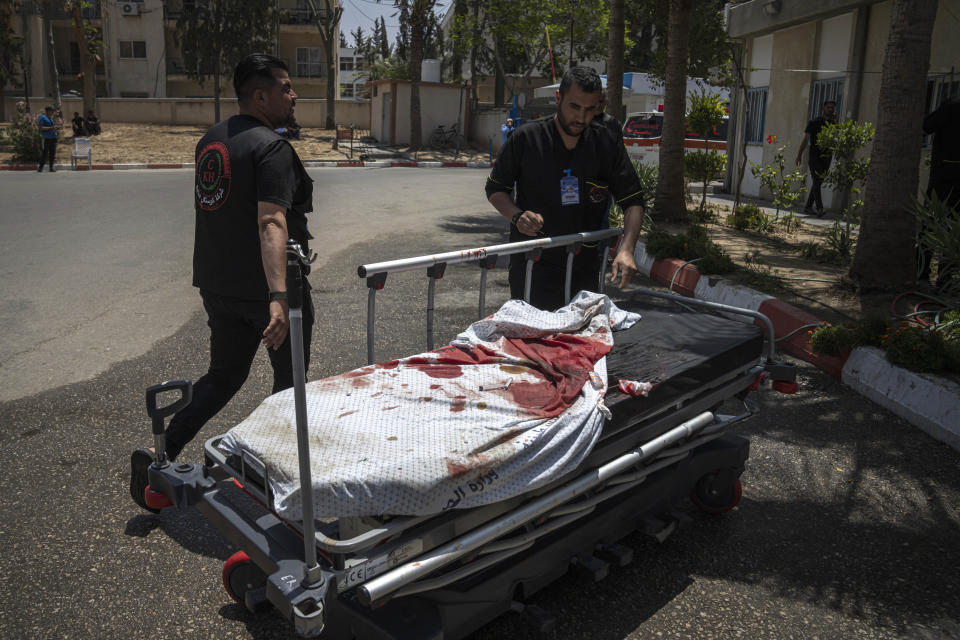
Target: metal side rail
x,y
376,591
784,374
435,265
570,512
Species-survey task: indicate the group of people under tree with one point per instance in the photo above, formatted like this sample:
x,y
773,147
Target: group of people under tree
x,y
85,126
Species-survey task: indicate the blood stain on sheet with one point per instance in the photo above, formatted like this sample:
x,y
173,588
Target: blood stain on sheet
x,y
378,393
391,364
435,386
459,404
426,398
359,383
356,373
346,413
396,406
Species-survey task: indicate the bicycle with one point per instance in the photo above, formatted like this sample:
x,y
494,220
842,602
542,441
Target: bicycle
x,y
446,137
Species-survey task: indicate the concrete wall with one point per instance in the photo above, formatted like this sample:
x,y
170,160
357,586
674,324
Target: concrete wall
x,y
485,128
148,75
439,105
310,113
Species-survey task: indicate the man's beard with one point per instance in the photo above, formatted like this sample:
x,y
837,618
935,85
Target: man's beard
x,y
565,126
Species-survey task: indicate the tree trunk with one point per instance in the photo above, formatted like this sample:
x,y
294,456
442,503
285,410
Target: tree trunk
x,y
885,255
498,78
51,55
26,59
615,53
669,203
417,27
88,62
331,120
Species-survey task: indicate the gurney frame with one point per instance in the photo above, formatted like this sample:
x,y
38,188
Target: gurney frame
x,y
443,576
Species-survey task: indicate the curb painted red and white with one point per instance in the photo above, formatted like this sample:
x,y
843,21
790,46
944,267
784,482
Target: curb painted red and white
x,y
929,402
382,164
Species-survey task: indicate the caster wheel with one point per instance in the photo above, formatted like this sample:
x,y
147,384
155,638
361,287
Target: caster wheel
x,y
240,575
712,497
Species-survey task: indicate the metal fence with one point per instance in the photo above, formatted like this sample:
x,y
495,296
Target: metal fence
x,y
756,113
822,91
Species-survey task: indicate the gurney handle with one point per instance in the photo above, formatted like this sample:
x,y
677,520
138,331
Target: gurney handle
x,y
157,414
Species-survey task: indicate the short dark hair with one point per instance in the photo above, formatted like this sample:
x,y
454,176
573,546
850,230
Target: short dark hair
x,y
48,108
255,72
826,102
584,77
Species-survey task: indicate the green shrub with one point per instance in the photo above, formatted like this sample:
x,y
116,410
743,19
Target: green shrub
x,y
695,244
750,217
923,350
831,340
22,136
907,345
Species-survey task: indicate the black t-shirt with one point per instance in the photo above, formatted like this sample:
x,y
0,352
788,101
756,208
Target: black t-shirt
x,y
536,159
240,162
819,158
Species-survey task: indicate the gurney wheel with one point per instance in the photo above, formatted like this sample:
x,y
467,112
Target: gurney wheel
x,y
241,574
711,496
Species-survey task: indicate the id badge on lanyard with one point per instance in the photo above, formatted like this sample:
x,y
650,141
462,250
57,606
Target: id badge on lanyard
x,y
569,189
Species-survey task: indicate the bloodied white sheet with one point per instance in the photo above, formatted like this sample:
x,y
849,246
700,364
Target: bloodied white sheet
x,y
509,405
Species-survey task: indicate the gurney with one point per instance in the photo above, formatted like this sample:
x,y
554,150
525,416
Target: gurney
x,y
446,572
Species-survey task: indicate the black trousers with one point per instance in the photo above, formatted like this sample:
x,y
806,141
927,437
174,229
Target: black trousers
x,y
236,331
48,152
816,177
549,277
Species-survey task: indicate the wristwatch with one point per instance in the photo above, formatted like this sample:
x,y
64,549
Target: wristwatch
x,y
516,218
276,296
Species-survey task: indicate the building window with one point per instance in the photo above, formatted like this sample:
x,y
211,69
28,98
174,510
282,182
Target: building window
x,y
756,114
309,62
135,49
346,91
346,64
822,91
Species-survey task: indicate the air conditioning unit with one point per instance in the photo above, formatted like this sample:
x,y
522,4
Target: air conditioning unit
x,y
129,8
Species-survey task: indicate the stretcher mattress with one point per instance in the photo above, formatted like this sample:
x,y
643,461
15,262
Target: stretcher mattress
x,y
679,352
512,403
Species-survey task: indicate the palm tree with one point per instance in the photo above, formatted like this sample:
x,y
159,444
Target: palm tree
x,y
669,205
885,257
615,54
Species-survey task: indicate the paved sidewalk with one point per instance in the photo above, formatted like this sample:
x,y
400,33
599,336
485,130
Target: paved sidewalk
x,y
929,402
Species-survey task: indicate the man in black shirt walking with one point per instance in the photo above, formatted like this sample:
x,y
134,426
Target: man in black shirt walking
x,y
251,193
565,168
819,159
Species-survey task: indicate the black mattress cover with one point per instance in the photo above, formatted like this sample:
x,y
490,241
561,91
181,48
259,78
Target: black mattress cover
x,y
678,351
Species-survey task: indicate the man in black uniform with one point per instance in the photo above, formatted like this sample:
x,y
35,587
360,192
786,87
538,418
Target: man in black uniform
x,y
819,159
565,168
251,193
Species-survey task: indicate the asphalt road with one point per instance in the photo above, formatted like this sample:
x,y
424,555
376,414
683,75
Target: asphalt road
x,y
848,525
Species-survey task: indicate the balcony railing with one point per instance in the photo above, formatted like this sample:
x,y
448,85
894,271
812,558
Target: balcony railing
x,y
300,16
57,12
